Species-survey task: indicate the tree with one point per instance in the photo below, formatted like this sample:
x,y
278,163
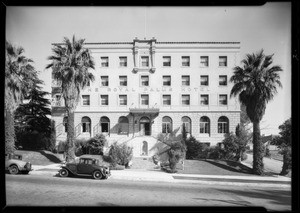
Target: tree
x,y
70,65
284,142
19,78
32,119
177,147
255,83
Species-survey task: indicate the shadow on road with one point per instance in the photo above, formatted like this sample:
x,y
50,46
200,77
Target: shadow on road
x,y
278,197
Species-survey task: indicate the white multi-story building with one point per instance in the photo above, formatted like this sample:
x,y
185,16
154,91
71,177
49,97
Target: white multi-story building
x,y
145,87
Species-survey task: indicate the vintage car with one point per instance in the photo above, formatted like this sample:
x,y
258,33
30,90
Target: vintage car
x,y
88,165
15,165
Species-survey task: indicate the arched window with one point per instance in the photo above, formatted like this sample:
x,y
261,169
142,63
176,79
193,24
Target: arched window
x,y
204,125
166,125
86,124
123,125
186,122
223,125
104,124
65,123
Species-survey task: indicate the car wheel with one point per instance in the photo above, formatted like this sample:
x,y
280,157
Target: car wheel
x,y
64,173
13,169
97,175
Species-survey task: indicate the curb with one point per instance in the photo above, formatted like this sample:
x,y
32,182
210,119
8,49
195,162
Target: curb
x,y
190,179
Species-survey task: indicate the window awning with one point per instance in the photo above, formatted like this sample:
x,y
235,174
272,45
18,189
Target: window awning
x,y
144,111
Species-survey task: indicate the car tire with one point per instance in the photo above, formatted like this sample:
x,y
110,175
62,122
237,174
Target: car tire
x,y
13,169
64,173
97,175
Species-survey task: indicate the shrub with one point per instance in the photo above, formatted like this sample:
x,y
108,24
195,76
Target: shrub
x,y
120,154
244,156
61,146
194,148
215,153
95,145
117,167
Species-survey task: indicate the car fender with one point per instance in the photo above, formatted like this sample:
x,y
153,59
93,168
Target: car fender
x,y
101,170
72,172
13,164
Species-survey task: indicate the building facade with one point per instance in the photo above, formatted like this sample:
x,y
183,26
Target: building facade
x,y
145,87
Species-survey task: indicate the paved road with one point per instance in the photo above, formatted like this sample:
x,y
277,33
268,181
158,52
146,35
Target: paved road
x,y
39,190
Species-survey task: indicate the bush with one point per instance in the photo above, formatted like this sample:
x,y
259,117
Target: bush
x,y
95,145
120,154
61,146
215,153
117,167
194,149
244,156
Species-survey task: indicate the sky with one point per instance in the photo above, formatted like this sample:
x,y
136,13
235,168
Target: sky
x,y
256,27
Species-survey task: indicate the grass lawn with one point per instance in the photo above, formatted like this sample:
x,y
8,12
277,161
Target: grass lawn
x,y
214,167
41,157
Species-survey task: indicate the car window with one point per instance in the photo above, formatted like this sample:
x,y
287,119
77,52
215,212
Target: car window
x,y
81,161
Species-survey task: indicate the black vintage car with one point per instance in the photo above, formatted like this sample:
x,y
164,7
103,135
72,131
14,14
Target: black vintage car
x,y
88,165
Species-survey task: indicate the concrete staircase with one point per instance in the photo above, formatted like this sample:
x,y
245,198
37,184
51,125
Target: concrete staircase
x,y
142,163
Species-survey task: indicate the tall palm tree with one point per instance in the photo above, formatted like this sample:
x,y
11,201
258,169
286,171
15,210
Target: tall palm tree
x,y
19,78
70,65
256,83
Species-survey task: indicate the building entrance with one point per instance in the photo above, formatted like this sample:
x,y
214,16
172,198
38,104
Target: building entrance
x,y
145,126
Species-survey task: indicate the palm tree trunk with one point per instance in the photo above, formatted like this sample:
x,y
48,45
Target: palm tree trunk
x,y
70,150
9,132
258,166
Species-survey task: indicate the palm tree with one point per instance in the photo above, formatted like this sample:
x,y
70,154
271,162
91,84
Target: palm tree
x,y
70,66
256,83
19,78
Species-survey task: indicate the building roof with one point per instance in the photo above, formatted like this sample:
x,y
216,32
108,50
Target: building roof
x,y
159,42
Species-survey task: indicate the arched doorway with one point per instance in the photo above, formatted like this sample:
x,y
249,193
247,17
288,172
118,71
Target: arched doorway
x,y
145,126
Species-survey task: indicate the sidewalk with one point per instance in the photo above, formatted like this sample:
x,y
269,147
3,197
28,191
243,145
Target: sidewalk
x,y
161,176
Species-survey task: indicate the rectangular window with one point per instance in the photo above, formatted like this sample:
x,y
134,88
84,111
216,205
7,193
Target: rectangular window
x,y
166,80
223,80
123,61
104,61
104,81
144,80
166,100
204,61
123,81
185,100
123,100
204,80
185,61
204,99
145,61
222,61
144,99
166,61
185,80
104,100
223,99
85,100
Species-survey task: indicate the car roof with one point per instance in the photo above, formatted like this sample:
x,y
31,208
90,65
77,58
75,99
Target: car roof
x,y
98,157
